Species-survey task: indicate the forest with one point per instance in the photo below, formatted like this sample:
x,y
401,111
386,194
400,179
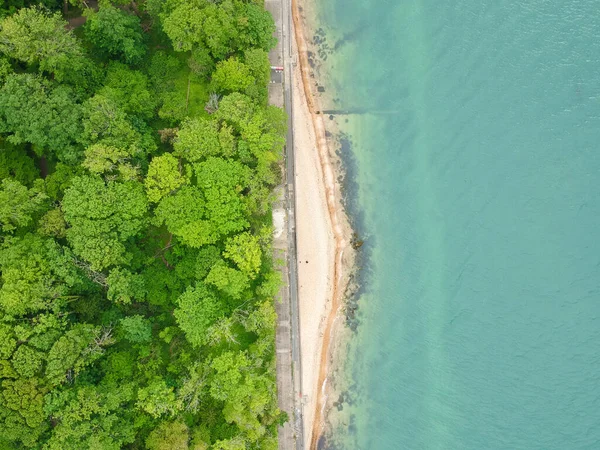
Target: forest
x,y
138,157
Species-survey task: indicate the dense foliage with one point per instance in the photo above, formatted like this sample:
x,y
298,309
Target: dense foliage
x,y
137,160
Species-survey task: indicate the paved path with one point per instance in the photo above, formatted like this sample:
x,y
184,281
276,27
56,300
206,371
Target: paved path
x,y
289,366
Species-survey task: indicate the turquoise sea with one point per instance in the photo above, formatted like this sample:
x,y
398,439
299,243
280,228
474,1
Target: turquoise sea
x,y
478,193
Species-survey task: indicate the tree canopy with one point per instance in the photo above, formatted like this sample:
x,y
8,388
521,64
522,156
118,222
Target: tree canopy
x,y
116,33
34,111
102,216
38,37
137,161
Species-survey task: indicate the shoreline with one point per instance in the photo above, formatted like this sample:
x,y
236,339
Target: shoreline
x,y
324,230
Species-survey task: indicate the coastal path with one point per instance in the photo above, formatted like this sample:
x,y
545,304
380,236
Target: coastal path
x,y
289,365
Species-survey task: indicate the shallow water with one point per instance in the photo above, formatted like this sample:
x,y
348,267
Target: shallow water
x,y
479,184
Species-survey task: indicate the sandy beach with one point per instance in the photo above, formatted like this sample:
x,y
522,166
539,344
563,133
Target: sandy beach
x,y
323,237
316,253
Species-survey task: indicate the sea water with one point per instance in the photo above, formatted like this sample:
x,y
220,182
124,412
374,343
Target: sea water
x,y
476,148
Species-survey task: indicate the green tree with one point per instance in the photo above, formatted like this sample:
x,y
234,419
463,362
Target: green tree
x,y
136,286
183,25
227,141
53,224
173,108
102,217
193,389
27,361
15,164
244,250
261,138
112,162
169,436
158,399
262,320
38,37
18,204
232,75
129,89
246,392
60,179
105,122
228,280
222,183
36,274
164,69
257,62
197,309
44,329
199,138
124,286
34,111
77,349
206,258
256,27
199,23
184,214
8,341
115,32
261,133
222,28
235,443
25,396
237,110
21,411
164,176
5,68
91,417
201,62
136,329
220,31
119,366
14,431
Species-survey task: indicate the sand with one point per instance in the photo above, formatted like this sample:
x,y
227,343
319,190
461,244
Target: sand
x,y
323,237
316,252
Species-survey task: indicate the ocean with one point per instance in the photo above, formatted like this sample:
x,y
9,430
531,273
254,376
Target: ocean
x,y
475,183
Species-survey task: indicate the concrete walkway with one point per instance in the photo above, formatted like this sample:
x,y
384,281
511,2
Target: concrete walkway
x,y
289,367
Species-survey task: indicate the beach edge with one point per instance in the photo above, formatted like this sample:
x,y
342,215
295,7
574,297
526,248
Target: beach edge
x,y
341,259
